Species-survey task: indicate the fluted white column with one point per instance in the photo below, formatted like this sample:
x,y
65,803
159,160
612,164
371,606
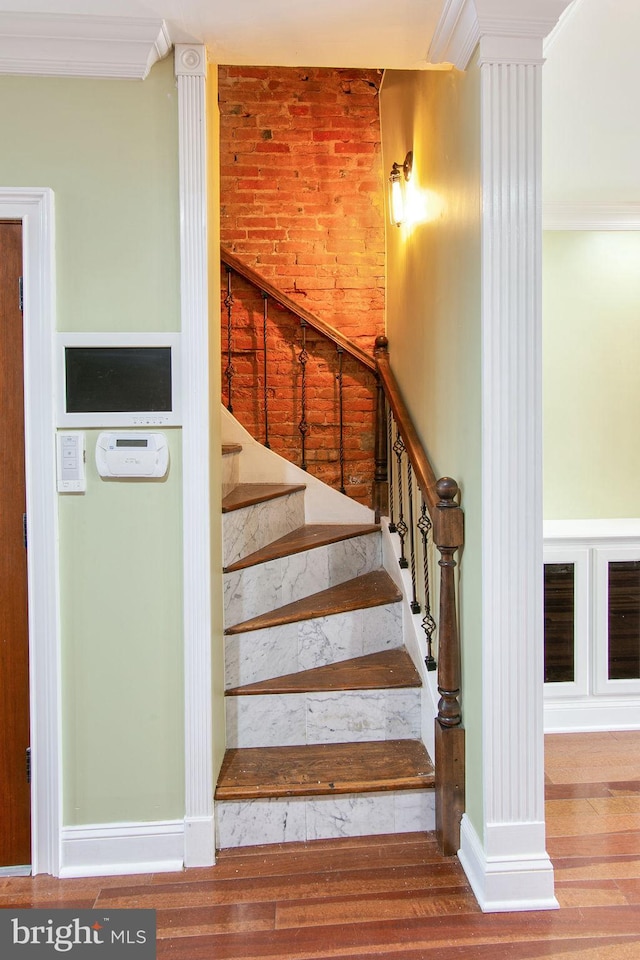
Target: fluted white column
x,y
504,856
508,865
190,69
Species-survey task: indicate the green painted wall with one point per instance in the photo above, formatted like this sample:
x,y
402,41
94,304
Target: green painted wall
x,y
433,321
108,149
591,293
121,588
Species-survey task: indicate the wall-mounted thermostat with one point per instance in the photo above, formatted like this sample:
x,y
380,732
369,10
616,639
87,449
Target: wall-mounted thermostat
x,y
132,454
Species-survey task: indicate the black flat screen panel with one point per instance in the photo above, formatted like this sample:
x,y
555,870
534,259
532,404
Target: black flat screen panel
x,y
118,379
559,623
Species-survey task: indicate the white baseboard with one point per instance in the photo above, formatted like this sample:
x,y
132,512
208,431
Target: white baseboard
x,y
109,849
505,883
590,714
199,842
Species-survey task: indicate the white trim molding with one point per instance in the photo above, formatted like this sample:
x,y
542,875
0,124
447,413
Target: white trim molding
x,y
111,849
593,701
35,208
61,45
591,714
590,215
199,838
504,881
509,32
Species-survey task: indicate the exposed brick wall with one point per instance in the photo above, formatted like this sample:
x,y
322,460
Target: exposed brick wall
x,y
302,202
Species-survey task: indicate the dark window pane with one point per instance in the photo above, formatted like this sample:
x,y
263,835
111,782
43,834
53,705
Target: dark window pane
x,y
624,620
559,622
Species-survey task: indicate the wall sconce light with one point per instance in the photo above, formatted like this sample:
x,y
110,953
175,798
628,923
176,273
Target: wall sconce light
x,y
400,174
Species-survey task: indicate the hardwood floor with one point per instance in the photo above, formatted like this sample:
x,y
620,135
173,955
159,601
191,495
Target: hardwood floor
x,y
394,896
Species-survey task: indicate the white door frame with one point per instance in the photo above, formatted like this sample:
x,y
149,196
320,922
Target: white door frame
x,y
34,207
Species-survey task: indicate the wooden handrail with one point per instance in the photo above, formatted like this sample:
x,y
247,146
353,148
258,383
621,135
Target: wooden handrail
x,y
439,495
331,333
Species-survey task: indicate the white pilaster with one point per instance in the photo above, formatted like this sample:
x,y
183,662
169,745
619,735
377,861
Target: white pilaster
x,y
190,68
514,831
505,857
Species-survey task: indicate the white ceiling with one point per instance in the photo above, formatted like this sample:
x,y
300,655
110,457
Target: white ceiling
x,y
348,33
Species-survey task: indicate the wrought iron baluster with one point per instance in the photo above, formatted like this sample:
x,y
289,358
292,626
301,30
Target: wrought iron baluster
x,y
339,378
265,299
303,426
229,371
392,522
415,606
401,526
428,623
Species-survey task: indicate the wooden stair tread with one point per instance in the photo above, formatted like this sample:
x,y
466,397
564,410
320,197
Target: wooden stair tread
x,y
246,494
228,448
304,538
387,670
370,590
326,768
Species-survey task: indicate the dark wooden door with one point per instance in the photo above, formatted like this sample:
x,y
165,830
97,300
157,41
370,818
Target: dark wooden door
x,y
15,805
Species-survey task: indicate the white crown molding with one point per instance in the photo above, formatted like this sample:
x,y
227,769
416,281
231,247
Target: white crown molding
x,y
567,215
515,31
81,46
190,68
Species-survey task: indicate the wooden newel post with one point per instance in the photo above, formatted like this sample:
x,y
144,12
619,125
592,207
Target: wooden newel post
x,y
449,739
380,477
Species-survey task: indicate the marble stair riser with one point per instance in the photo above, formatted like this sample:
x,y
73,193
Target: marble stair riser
x,y
251,528
230,472
341,716
288,819
266,586
291,647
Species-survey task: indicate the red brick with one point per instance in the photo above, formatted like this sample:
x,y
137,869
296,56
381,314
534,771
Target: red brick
x,y
328,204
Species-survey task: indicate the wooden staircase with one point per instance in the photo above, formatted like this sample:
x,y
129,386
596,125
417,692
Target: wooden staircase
x,y
323,702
